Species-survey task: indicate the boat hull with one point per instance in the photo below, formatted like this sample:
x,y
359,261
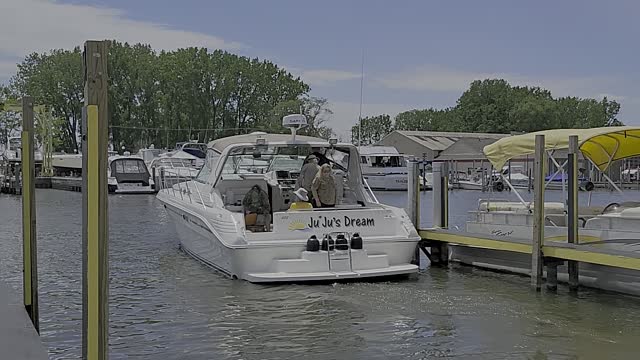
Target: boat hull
x,y
390,182
287,260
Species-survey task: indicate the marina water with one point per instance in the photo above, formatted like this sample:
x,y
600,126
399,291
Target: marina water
x,y
166,305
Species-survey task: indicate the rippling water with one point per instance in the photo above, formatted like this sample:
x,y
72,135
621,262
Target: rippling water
x,y
165,305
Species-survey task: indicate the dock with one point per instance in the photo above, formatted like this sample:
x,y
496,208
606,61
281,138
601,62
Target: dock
x,y
18,338
615,268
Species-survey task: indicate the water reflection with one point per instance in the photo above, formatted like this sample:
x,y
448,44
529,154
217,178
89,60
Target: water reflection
x,y
165,305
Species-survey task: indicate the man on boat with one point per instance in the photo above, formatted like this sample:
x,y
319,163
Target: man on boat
x,y
324,188
308,173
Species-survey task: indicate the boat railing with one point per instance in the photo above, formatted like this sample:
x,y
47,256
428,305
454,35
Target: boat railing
x,y
488,202
373,196
177,184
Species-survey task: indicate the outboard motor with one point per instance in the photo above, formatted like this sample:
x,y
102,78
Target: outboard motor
x,y
313,244
356,242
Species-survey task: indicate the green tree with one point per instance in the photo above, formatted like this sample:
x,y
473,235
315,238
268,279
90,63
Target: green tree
x,y
373,128
9,114
55,79
315,109
161,98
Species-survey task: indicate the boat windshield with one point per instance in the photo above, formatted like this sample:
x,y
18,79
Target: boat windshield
x,y
261,159
129,166
286,163
387,161
170,162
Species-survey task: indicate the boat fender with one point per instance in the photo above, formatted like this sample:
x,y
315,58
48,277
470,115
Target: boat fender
x,y
341,242
313,244
327,243
356,242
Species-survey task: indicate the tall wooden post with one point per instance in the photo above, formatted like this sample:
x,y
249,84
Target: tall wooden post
x,y
30,253
95,265
440,251
413,192
572,203
538,214
413,199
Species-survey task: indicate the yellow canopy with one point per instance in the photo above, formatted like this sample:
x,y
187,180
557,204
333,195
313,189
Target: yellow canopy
x,y
600,145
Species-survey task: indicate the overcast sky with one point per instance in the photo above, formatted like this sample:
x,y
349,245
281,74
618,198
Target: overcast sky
x,y
417,54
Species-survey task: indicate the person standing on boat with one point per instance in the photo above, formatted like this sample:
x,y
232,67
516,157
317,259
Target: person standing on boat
x,y
324,188
308,173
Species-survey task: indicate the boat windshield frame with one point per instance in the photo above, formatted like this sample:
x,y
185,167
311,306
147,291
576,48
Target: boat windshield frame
x,y
352,168
256,159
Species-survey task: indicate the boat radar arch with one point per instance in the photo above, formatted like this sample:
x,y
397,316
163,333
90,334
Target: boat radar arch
x,y
294,122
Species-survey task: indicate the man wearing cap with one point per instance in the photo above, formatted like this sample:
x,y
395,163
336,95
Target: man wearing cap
x,y
308,173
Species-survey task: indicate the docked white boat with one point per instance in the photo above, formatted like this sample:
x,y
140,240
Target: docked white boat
x,y
469,185
129,175
13,152
615,226
197,149
384,168
357,238
175,167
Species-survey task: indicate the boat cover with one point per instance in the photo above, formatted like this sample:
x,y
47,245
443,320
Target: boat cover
x,y
601,145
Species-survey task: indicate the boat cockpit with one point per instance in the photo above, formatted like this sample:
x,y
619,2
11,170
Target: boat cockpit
x,y
274,172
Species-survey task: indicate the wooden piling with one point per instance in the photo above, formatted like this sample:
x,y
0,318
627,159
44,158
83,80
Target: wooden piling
x,y
95,265
30,253
538,214
572,221
413,199
552,275
440,250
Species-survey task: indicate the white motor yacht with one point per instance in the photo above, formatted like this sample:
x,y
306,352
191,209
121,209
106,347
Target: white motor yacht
x,y
128,174
384,168
614,226
357,238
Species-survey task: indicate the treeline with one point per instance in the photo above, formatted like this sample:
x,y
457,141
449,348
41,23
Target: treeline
x,y
494,106
164,97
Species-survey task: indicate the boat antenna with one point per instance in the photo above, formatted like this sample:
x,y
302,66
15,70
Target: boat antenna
x,y
360,114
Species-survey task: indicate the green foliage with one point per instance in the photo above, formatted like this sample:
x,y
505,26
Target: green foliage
x,y
9,114
373,128
162,98
55,80
315,109
494,106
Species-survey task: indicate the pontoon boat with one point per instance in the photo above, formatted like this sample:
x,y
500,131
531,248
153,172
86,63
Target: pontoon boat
x,y
615,226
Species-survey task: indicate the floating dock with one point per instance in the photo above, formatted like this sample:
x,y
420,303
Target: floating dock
x,y
18,338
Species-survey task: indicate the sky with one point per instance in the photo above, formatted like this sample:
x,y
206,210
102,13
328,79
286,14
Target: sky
x,y
417,54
